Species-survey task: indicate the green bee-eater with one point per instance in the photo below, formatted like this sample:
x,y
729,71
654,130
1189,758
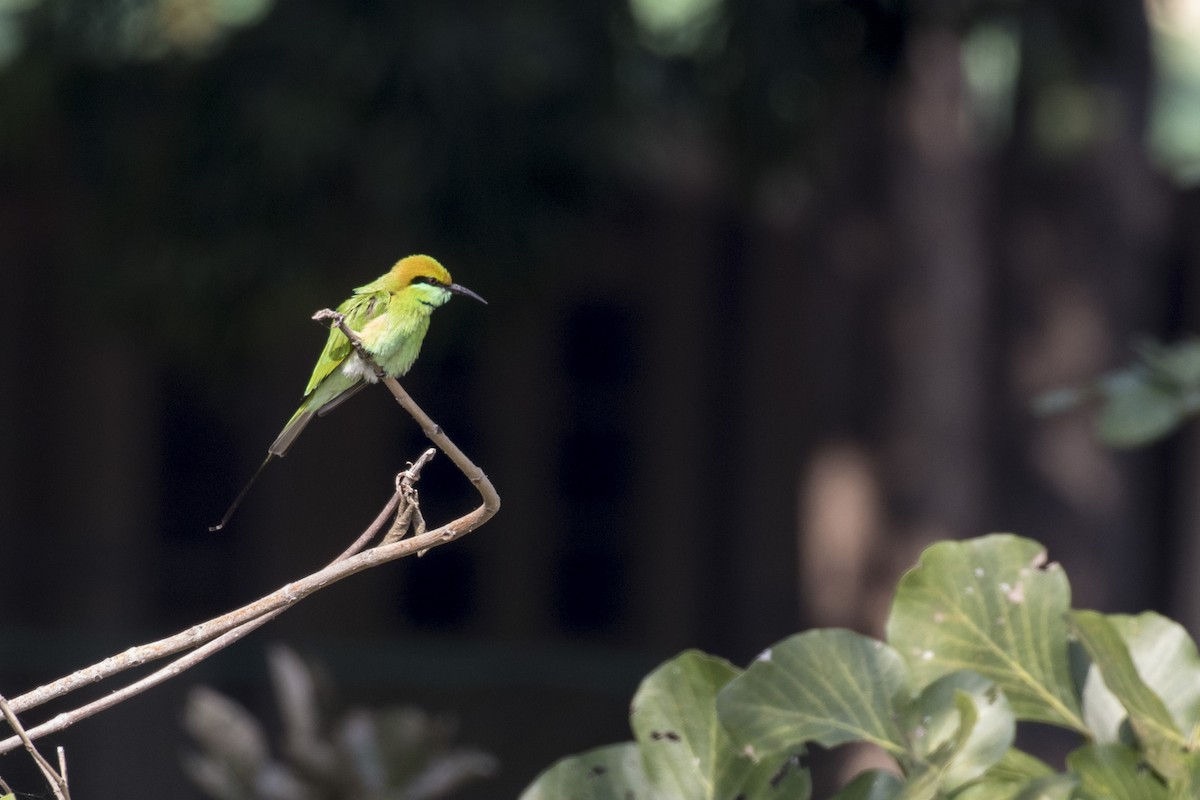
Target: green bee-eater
x,y
390,315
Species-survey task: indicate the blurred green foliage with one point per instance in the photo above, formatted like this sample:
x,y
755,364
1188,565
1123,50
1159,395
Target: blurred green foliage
x,y
1174,136
1141,403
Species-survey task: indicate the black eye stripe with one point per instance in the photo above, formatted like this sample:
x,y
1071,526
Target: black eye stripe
x,y
425,279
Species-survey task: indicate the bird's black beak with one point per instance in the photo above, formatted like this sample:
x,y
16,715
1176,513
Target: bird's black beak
x,y
465,292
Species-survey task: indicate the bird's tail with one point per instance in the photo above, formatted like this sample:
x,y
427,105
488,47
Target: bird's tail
x,y
278,449
237,501
290,431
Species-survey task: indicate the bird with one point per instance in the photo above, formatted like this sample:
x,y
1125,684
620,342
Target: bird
x,y
391,316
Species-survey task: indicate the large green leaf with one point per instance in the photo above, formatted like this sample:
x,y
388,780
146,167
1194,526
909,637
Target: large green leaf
x,y
686,753
992,605
613,772
827,686
1163,743
1114,772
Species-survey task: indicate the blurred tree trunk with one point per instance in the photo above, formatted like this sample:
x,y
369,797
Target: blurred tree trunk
x,y
938,321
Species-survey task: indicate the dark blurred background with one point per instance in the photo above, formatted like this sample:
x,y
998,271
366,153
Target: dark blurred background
x,y
772,285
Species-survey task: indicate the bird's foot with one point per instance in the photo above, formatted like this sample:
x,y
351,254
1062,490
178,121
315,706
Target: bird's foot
x,y
336,319
330,316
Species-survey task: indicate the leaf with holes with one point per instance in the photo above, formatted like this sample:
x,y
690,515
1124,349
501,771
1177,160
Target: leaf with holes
x,y
685,752
991,605
680,751
606,773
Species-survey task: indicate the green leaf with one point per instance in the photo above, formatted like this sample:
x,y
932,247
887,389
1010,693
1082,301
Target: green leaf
x,y
962,725
606,773
990,789
1162,741
827,686
991,605
1166,659
1055,787
1052,787
1058,401
1020,776
1142,402
686,753
1020,767
681,750
874,784
1137,411
1187,785
779,776
1115,772
1178,364
1102,711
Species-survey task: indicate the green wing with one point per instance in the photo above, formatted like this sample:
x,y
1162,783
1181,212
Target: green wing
x,y
358,311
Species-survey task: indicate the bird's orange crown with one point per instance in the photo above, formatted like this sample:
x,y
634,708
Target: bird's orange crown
x,y
413,268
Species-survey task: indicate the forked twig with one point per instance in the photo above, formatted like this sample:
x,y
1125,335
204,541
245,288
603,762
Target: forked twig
x,y
56,779
207,638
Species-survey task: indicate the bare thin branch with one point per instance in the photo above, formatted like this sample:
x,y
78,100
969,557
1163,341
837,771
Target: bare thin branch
x,y
209,637
491,500
220,632
372,530
58,783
